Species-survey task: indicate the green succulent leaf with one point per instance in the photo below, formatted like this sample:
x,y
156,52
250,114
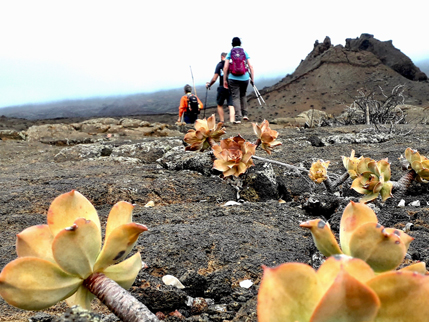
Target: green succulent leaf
x,y
120,214
118,245
323,237
76,248
83,297
386,191
66,208
354,215
35,241
289,292
126,271
32,283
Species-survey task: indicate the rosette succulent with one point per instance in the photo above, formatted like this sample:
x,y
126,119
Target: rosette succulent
x,y
373,179
418,163
267,137
233,156
55,259
319,171
350,163
205,134
343,289
362,237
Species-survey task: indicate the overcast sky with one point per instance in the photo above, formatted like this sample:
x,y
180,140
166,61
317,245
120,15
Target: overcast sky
x,y
52,50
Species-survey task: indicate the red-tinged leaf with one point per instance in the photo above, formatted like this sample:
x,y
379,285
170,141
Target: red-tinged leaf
x,y
356,267
347,300
381,250
403,296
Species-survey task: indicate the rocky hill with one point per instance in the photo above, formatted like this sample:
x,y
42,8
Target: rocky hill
x,y
330,76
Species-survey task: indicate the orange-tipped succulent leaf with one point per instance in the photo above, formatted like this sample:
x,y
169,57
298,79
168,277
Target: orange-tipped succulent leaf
x,y
205,130
323,237
267,137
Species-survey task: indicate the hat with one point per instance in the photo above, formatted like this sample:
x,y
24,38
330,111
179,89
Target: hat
x,y
236,41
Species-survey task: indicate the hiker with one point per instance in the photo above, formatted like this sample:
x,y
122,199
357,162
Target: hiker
x,y
190,106
238,70
223,94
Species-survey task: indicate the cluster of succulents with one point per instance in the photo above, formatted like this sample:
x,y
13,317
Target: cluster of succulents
x,y
55,259
357,282
361,236
342,289
418,163
233,155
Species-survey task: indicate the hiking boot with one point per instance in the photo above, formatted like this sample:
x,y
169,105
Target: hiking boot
x,y
245,118
237,122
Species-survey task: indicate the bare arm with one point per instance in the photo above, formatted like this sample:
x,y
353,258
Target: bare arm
x,y
225,74
208,84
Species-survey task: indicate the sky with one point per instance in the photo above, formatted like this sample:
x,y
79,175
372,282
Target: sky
x,y
55,50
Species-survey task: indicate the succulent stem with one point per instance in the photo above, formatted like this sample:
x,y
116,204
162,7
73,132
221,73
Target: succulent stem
x,y
402,185
211,141
288,166
118,300
331,186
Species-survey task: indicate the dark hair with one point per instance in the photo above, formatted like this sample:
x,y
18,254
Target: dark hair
x,y
223,55
236,41
187,88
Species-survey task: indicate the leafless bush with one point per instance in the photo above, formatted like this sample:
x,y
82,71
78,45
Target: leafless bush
x,y
376,107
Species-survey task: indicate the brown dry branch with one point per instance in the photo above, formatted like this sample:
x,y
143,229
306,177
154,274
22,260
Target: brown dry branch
x,y
118,300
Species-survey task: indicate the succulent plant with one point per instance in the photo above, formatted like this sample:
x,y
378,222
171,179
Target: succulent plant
x,y
373,179
350,163
319,171
55,259
343,289
361,237
418,163
267,137
205,134
233,156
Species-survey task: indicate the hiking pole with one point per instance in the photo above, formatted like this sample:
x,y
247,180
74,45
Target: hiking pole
x,y
193,82
205,102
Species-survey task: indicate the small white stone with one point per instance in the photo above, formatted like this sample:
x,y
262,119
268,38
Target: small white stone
x,y
246,283
415,203
171,280
401,203
232,203
150,204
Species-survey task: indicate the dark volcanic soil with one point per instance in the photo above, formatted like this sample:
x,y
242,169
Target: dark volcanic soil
x,y
193,236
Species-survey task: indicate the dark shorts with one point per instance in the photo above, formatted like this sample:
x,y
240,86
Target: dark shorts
x,y
189,118
223,95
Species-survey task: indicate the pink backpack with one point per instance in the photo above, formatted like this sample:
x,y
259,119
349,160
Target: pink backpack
x,y
238,65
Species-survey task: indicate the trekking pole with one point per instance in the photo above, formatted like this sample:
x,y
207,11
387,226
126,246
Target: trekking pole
x,y
205,102
193,82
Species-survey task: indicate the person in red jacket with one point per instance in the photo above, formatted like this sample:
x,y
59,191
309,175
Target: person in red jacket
x,y
184,114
